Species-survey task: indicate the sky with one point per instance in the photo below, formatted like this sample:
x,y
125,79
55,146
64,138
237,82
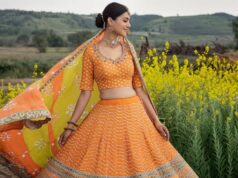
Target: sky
x,y
165,8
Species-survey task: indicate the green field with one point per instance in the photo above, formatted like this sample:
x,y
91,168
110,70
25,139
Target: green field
x,y
29,53
18,62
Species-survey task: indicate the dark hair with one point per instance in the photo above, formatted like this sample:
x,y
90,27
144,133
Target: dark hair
x,y
112,10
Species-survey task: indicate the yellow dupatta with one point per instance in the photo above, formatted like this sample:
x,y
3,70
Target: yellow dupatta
x,y
53,96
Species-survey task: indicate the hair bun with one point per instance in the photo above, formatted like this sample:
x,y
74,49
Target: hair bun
x,y
99,21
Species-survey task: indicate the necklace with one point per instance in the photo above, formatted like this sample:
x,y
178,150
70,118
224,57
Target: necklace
x,y
112,43
104,58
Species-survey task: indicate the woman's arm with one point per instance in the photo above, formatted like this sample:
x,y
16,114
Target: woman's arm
x,y
147,105
81,104
79,108
151,113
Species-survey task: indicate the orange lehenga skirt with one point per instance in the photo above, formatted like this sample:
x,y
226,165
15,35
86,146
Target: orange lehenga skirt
x,y
117,139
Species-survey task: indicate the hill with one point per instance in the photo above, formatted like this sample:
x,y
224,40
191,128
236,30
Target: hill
x,y
17,22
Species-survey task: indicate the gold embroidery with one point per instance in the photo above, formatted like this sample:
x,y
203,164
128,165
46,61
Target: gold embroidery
x,y
25,115
166,170
114,61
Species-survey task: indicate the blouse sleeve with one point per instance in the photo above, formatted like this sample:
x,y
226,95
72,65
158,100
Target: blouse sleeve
x,y
136,81
87,72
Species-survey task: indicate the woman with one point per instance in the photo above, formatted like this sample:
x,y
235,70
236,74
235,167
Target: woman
x,y
119,134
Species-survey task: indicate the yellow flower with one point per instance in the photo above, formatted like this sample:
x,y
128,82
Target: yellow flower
x,y
163,64
206,49
42,74
186,62
154,50
228,119
35,66
166,45
150,53
198,61
236,114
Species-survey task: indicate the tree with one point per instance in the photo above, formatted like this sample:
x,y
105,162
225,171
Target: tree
x,y
23,39
40,42
235,30
78,38
54,40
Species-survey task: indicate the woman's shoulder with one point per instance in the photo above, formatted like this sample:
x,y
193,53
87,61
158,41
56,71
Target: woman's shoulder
x,y
89,49
130,44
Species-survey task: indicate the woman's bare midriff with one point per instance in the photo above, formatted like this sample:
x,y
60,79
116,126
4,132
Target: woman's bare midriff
x,y
111,93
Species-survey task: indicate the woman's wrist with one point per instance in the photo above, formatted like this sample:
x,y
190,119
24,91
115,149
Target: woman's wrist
x,y
72,123
71,126
70,129
157,121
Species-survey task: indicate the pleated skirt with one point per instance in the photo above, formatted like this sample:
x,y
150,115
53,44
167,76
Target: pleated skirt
x,y
117,139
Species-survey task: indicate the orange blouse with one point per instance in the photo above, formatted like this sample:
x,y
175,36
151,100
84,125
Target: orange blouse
x,y
108,73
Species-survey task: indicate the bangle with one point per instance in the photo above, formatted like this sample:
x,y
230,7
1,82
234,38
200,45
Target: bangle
x,y
69,129
70,122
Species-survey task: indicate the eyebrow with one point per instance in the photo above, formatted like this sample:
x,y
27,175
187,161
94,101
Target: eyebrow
x,y
127,18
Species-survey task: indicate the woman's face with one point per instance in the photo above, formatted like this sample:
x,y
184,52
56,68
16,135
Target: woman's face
x,y
121,25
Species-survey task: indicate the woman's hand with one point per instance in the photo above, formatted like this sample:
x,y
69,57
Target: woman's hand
x,y
162,130
31,124
64,136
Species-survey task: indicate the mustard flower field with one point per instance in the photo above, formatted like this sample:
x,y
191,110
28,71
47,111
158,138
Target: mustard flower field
x,y
198,102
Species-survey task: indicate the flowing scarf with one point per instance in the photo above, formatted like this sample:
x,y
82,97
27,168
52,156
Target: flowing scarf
x,y
54,96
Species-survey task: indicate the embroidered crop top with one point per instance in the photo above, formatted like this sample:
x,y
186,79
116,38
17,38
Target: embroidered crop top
x,y
108,73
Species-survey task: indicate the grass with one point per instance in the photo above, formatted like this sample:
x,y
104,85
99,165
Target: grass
x,y
29,53
18,62
158,40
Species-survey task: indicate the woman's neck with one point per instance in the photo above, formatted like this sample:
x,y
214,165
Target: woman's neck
x,y
110,39
109,35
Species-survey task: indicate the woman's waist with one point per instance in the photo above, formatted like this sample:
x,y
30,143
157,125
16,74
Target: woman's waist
x,y
122,100
113,93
